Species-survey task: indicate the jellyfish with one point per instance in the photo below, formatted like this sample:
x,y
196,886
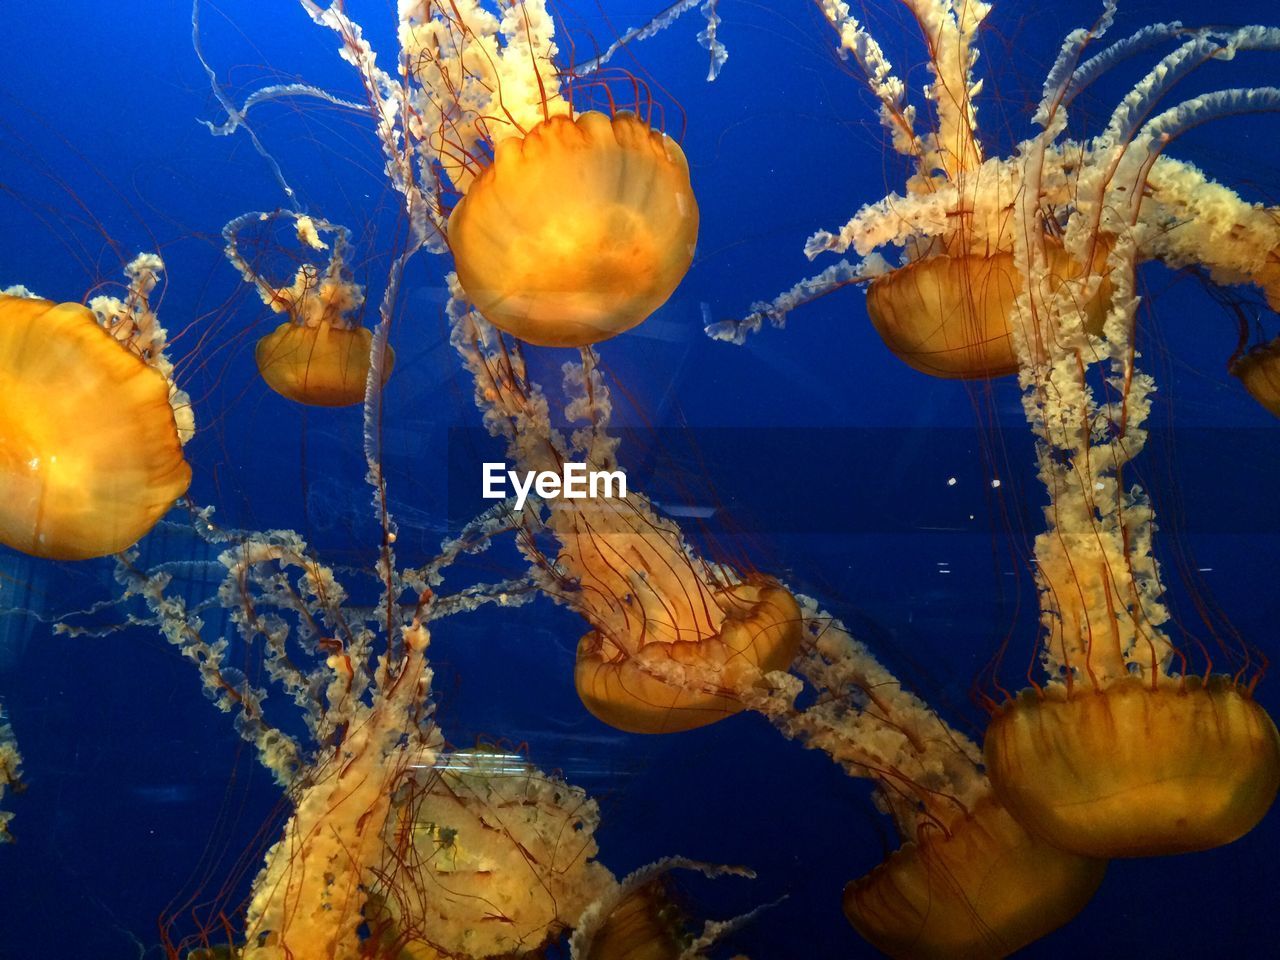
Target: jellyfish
x,y
339,737
983,887
951,315
1125,749
1136,768
1259,370
93,426
395,847
320,356
573,226
577,231
1197,223
656,610
644,925
949,305
10,773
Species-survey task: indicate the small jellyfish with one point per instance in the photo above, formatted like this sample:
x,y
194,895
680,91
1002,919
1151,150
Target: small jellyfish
x,y
577,231
320,356
316,358
90,450
1259,371
984,887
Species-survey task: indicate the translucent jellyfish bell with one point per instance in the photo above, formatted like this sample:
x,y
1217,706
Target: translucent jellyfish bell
x,y
952,316
1259,371
320,356
577,231
1133,771
984,887
632,689
90,456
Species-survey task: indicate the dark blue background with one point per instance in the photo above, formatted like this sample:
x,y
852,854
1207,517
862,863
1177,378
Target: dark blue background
x,y
135,780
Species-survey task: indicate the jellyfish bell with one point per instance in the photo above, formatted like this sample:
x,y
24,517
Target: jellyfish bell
x,y
572,226
577,231
322,366
316,358
643,925
756,629
90,449
952,316
983,887
1134,770
320,356
1259,371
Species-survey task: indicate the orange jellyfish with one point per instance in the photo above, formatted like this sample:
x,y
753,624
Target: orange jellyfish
x,y
952,315
1259,371
492,857
577,231
1135,768
1208,226
320,356
644,925
628,677
983,887
90,449
1128,749
573,225
674,638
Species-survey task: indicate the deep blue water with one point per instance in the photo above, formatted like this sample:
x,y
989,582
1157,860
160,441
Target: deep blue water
x,y
830,457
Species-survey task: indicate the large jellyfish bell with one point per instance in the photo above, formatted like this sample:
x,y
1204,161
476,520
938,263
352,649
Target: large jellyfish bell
x,y
577,231
90,451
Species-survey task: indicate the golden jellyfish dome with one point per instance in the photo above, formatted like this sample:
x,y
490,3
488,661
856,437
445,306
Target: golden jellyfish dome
x,y
1259,371
318,357
983,888
1132,771
324,366
952,316
90,457
636,691
578,231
